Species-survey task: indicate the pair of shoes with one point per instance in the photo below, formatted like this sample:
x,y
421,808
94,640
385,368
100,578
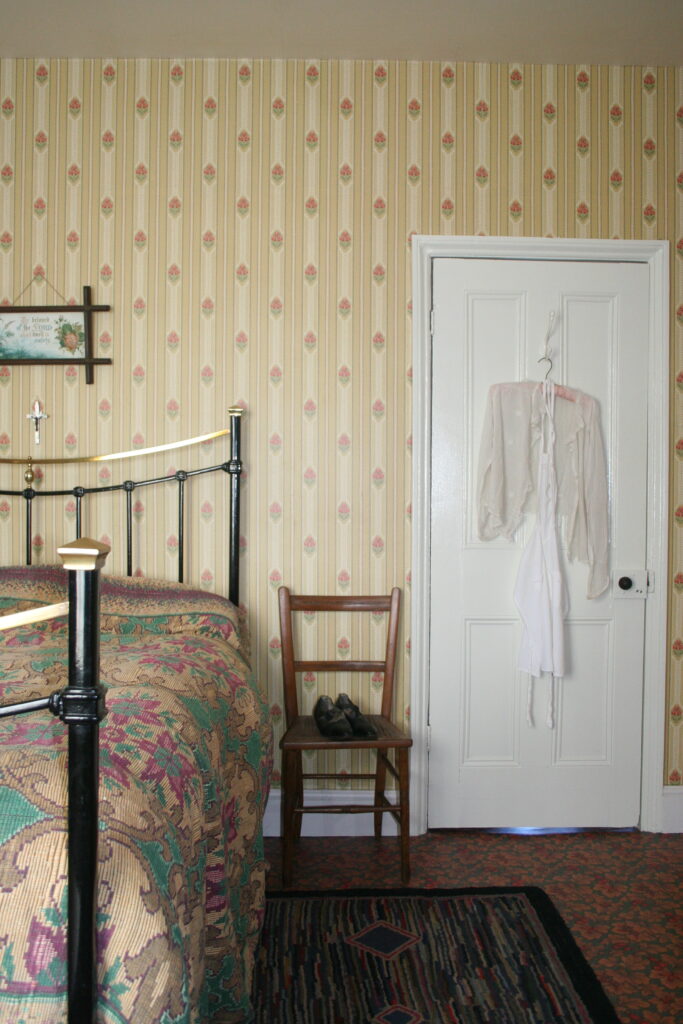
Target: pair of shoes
x,y
342,720
360,725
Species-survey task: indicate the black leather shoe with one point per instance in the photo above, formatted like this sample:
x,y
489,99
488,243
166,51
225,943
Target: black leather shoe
x,y
362,728
331,720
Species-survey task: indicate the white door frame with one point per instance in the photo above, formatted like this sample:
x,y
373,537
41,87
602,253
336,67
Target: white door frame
x,y
653,817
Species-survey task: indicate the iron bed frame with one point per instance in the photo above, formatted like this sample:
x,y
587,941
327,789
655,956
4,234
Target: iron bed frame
x,y
81,704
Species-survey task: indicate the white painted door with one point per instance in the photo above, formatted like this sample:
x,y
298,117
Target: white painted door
x,y
487,766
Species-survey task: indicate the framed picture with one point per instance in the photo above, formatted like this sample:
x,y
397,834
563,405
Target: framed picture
x,y
41,334
49,334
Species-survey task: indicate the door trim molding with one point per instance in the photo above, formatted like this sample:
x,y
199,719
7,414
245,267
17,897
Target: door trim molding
x,y
425,248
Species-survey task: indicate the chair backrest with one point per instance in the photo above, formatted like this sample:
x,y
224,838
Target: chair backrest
x,y
292,665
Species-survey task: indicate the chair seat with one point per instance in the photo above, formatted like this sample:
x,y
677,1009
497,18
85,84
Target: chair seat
x,y
304,734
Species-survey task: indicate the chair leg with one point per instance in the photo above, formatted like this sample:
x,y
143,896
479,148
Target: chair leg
x,y
290,776
299,798
404,797
380,785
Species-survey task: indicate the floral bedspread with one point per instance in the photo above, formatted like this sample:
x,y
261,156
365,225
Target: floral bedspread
x,y
185,761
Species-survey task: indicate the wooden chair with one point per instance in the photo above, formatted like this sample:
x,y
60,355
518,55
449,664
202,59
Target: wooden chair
x,y
302,733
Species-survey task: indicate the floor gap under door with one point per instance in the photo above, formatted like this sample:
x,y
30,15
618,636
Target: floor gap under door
x,y
522,831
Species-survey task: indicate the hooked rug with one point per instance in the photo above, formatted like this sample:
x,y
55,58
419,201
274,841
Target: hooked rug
x,y
427,956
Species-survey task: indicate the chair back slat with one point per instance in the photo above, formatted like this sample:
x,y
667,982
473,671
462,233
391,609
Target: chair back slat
x,y
339,665
318,603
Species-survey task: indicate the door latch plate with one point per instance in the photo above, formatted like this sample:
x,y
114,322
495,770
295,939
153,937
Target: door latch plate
x,y
630,584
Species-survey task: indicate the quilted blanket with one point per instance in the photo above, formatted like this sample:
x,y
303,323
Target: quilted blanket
x,y
185,762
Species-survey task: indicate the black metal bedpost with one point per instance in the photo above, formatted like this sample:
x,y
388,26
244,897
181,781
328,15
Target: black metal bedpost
x,y
83,709
28,495
181,477
235,470
129,487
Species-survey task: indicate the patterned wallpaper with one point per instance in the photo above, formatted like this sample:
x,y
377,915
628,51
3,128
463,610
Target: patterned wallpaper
x,y
249,222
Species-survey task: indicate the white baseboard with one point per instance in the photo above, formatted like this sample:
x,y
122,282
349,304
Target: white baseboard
x,y
330,824
672,809
362,824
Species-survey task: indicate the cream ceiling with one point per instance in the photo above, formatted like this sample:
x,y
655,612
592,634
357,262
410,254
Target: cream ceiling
x,y
647,32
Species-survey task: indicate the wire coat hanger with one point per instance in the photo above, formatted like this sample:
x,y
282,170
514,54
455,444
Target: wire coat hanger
x,y
546,351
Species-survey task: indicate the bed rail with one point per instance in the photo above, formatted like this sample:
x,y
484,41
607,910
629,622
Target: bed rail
x,y
31,615
81,706
233,467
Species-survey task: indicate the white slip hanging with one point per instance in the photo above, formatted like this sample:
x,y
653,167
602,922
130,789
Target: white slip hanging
x,y
540,592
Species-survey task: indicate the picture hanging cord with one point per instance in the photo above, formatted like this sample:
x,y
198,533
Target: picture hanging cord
x,y
40,277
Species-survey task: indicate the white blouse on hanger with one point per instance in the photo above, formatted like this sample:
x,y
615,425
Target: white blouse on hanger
x,y
508,470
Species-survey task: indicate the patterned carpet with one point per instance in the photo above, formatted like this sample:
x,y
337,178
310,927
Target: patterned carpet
x,y
620,894
477,956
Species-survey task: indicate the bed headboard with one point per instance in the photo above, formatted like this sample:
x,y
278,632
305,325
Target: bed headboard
x,y
233,467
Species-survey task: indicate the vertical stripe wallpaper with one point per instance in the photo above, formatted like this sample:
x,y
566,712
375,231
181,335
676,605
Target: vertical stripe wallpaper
x,y
250,224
